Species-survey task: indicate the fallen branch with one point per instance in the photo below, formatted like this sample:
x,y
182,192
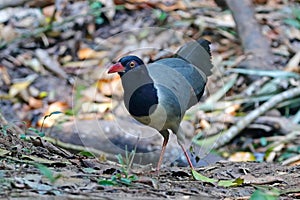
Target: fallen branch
x,y
291,160
254,42
224,137
13,127
78,148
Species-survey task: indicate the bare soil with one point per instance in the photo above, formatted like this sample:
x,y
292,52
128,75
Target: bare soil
x,y
78,176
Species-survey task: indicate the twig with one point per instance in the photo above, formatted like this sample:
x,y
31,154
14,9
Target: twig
x,y
253,87
221,105
296,118
268,73
225,137
287,138
291,160
77,148
210,102
12,126
51,26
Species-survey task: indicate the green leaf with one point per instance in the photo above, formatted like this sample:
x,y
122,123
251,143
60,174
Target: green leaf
x,y
133,177
41,134
87,154
160,15
22,136
105,182
89,170
292,22
263,141
199,177
261,195
126,181
48,173
231,183
99,20
95,5
120,159
36,131
33,130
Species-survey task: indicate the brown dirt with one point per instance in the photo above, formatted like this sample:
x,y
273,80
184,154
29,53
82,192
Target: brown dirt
x,y
79,175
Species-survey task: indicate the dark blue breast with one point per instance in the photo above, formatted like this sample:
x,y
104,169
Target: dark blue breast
x,y
142,99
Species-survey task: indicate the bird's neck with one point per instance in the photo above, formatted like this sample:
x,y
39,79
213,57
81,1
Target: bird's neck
x,y
135,78
140,94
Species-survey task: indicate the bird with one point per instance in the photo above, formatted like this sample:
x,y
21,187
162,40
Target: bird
x,y
158,94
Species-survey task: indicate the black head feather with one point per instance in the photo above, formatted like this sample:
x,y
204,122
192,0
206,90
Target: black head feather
x,y
130,63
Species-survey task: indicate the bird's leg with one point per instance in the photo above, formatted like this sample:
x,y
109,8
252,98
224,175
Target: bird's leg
x,y
187,156
181,142
165,134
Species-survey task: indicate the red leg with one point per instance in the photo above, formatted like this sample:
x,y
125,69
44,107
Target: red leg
x,y
187,156
166,139
181,141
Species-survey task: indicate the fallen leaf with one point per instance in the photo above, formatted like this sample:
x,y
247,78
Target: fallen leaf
x,y
293,64
21,85
81,64
88,53
110,86
204,124
199,177
88,107
250,179
232,109
54,107
35,103
50,63
242,157
43,160
4,75
48,10
231,183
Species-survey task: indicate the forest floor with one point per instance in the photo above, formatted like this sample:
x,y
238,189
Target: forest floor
x,y
64,132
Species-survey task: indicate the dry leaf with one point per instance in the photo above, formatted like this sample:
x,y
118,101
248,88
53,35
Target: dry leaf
x,y
21,85
92,94
81,64
294,63
204,124
242,157
91,107
4,75
88,53
232,109
50,63
54,107
8,33
48,10
35,103
110,87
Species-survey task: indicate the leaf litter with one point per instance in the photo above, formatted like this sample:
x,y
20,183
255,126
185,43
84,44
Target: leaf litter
x,y
61,52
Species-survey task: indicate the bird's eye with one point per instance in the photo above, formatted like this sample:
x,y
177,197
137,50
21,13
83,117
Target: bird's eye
x,y
132,64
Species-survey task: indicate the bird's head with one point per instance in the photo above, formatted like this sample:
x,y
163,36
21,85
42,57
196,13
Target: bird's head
x,y
126,64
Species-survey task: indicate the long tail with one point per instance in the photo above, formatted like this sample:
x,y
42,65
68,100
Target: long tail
x,y
198,54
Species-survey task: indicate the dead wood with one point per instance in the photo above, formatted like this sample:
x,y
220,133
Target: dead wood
x,y
12,3
228,135
254,43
